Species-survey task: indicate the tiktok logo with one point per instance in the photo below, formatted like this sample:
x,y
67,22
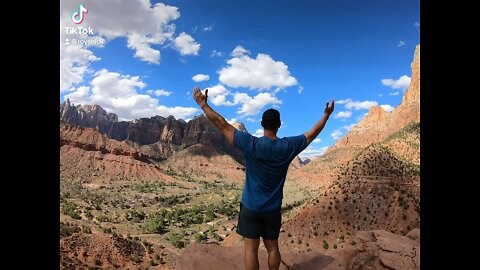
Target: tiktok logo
x,y
78,16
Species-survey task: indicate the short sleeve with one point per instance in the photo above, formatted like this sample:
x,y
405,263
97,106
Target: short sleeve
x,y
299,143
242,141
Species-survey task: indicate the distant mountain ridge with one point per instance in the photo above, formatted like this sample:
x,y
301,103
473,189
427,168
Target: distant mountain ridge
x,y
146,131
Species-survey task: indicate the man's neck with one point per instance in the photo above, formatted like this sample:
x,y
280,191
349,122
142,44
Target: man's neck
x,y
270,134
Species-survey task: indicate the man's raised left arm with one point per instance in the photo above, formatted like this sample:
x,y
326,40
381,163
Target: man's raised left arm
x,y
220,122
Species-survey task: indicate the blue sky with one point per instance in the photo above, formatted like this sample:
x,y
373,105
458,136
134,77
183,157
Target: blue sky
x,y
253,55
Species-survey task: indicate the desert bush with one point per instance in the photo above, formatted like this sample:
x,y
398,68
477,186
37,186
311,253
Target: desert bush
x,y
88,214
103,218
209,216
70,209
155,226
217,237
136,216
176,240
199,237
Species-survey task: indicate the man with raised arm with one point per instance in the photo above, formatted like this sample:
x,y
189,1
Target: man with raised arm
x,y
267,162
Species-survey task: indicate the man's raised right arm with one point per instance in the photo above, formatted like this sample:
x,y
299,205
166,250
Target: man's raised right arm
x,y
313,133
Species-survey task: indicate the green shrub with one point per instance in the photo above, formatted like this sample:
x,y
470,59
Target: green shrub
x,y
136,216
176,240
103,218
209,216
217,237
70,209
154,226
199,237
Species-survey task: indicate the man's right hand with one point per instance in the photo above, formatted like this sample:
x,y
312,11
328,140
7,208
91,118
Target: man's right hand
x,y
200,98
329,109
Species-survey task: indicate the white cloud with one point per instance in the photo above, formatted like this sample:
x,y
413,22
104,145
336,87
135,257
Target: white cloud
x,y
401,44
216,90
401,83
300,89
201,77
380,95
118,94
221,100
387,108
336,134
345,114
252,106
186,45
258,133
208,28
317,140
141,45
311,151
260,73
394,93
143,25
74,63
249,119
416,25
159,92
232,121
357,105
239,51
216,53
218,95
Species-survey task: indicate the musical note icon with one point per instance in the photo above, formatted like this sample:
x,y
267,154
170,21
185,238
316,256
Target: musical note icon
x,y
78,16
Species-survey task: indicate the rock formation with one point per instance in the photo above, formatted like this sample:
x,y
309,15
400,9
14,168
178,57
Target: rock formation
x,y
87,155
374,127
379,124
147,131
375,250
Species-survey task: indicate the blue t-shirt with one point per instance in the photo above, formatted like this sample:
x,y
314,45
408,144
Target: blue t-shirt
x,y
267,162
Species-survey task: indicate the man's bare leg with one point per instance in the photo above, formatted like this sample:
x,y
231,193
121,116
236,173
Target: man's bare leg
x,y
251,253
274,257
